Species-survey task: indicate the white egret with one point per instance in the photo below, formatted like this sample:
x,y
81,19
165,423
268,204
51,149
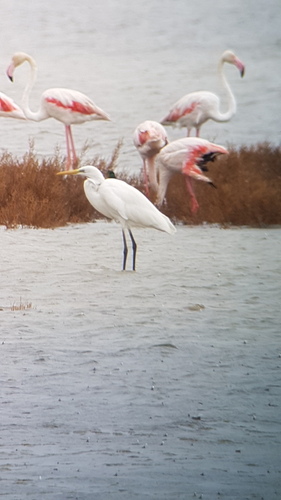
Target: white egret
x,y
123,203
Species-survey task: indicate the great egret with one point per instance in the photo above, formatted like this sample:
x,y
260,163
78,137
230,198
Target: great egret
x,y
123,203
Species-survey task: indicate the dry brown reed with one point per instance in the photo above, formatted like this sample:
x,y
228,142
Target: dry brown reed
x,y
21,306
32,195
248,191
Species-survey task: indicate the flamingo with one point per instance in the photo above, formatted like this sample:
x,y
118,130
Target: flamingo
x,y
65,105
123,203
9,109
196,108
189,157
149,138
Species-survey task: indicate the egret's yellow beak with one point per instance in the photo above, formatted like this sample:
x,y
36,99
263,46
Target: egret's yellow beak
x,y
69,172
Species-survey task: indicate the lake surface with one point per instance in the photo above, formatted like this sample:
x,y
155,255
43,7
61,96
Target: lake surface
x,y
164,383
158,384
135,60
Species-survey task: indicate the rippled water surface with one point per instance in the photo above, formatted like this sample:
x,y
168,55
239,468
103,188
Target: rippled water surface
x,y
164,383
161,384
136,59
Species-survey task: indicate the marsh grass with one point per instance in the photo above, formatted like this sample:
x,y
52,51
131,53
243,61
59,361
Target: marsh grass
x,y
21,306
32,195
248,182
248,190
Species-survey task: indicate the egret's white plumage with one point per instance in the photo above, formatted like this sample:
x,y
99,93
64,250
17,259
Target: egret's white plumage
x,y
195,108
149,138
123,203
65,105
189,157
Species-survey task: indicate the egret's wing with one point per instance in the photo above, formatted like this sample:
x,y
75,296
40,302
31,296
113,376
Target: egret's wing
x,y
105,199
114,196
131,207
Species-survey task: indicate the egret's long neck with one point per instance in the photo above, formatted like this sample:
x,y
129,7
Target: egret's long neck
x,y
221,117
31,115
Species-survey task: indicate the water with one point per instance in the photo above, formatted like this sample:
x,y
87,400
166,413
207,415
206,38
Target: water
x,y
135,60
159,384
164,383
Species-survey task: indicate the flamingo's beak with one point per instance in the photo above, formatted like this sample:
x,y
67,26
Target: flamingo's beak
x,y
10,72
240,66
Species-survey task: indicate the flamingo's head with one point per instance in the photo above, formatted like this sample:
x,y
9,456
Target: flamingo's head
x,y
17,59
231,58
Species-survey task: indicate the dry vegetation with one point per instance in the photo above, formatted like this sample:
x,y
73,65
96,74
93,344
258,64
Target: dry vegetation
x,y
248,183
248,191
21,306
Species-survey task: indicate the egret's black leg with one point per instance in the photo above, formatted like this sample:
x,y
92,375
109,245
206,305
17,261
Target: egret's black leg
x,y
134,247
125,250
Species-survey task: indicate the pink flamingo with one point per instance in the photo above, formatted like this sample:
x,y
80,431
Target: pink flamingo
x,y
189,157
149,138
9,109
65,105
196,108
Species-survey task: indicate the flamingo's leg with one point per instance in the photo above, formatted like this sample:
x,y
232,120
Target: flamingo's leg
x,y
194,202
68,148
74,156
71,159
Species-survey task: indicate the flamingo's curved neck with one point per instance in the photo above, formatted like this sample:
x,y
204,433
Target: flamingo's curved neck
x,y
227,115
31,115
152,173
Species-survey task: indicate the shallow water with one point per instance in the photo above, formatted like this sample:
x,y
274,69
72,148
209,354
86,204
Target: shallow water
x,y
163,383
136,60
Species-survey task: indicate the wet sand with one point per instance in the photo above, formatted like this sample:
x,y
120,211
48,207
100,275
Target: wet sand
x,y
163,383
